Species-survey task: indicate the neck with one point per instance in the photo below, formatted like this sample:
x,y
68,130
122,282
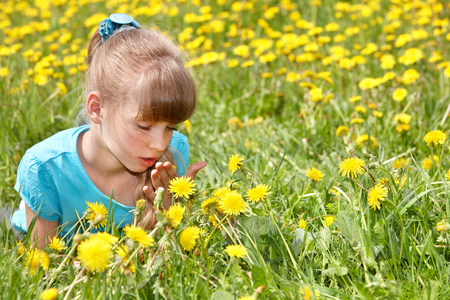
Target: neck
x,y
96,156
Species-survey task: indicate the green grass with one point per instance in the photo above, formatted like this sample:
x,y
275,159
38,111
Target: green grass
x,y
392,253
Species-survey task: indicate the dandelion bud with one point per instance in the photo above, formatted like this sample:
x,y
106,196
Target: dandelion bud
x,y
98,220
53,256
352,151
159,198
442,226
161,276
372,166
196,252
77,238
140,205
246,173
165,240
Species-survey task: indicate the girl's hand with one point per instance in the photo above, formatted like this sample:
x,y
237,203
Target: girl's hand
x,y
161,176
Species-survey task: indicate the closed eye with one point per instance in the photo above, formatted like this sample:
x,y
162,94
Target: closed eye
x,y
145,128
172,128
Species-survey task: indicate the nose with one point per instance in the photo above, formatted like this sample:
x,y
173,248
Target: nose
x,y
159,141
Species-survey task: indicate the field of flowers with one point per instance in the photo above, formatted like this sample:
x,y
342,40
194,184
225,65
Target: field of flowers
x,y
324,124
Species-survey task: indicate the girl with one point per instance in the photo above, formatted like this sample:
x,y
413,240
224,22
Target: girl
x,y
137,91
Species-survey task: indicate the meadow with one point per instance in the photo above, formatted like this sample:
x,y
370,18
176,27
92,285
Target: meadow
x,y
324,124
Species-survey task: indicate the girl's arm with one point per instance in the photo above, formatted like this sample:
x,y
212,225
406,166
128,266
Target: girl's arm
x,y
42,229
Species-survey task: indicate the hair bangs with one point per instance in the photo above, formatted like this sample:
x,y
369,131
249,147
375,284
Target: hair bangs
x,y
165,92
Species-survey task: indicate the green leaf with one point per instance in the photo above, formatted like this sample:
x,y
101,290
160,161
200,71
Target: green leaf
x,y
258,276
349,228
301,237
333,271
221,295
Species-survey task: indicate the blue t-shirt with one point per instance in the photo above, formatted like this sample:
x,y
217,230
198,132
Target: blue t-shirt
x,y
51,179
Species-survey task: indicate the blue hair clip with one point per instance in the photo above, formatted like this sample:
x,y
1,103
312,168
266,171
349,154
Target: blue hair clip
x,y
114,22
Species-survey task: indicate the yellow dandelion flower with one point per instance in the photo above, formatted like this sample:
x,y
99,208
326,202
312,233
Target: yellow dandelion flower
x,y
182,186
4,72
188,237
315,94
220,192
49,294
20,248
57,244
448,175
107,238
402,127
306,293
314,175
427,163
442,226
188,125
302,224
232,204
36,258
435,138
175,214
123,252
235,162
94,253
96,214
257,193
236,251
402,118
399,94
213,220
401,163
328,221
377,114
351,167
357,121
246,298
138,235
376,194
409,76
235,122
360,109
447,70
207,204
341,131
362,140
62,88
354,99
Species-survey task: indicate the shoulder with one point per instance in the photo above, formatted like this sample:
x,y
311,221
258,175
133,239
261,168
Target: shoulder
x,y
178,138
179,142
179,147
55,145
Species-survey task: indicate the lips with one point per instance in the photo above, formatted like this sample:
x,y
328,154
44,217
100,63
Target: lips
x,y
147,161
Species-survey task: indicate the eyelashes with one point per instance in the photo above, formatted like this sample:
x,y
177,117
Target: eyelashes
x,y
148,128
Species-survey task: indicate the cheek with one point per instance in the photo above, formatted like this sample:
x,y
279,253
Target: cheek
x,y
133,140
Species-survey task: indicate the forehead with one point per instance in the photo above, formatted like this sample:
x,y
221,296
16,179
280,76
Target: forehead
x,y
129,110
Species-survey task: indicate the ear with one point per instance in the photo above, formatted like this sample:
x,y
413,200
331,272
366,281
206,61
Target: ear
x,y
94,107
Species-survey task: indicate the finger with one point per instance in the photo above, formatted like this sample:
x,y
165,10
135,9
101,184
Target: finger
x,y
170,170
194,168
148,191
156,179
163,175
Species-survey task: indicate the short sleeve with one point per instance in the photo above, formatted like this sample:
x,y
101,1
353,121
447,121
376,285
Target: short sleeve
x,y
179,146
37,188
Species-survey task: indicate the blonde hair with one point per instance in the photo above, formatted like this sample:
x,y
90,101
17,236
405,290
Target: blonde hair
x,y
145,66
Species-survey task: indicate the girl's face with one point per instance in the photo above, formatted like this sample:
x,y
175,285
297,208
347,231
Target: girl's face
x,y
135,144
